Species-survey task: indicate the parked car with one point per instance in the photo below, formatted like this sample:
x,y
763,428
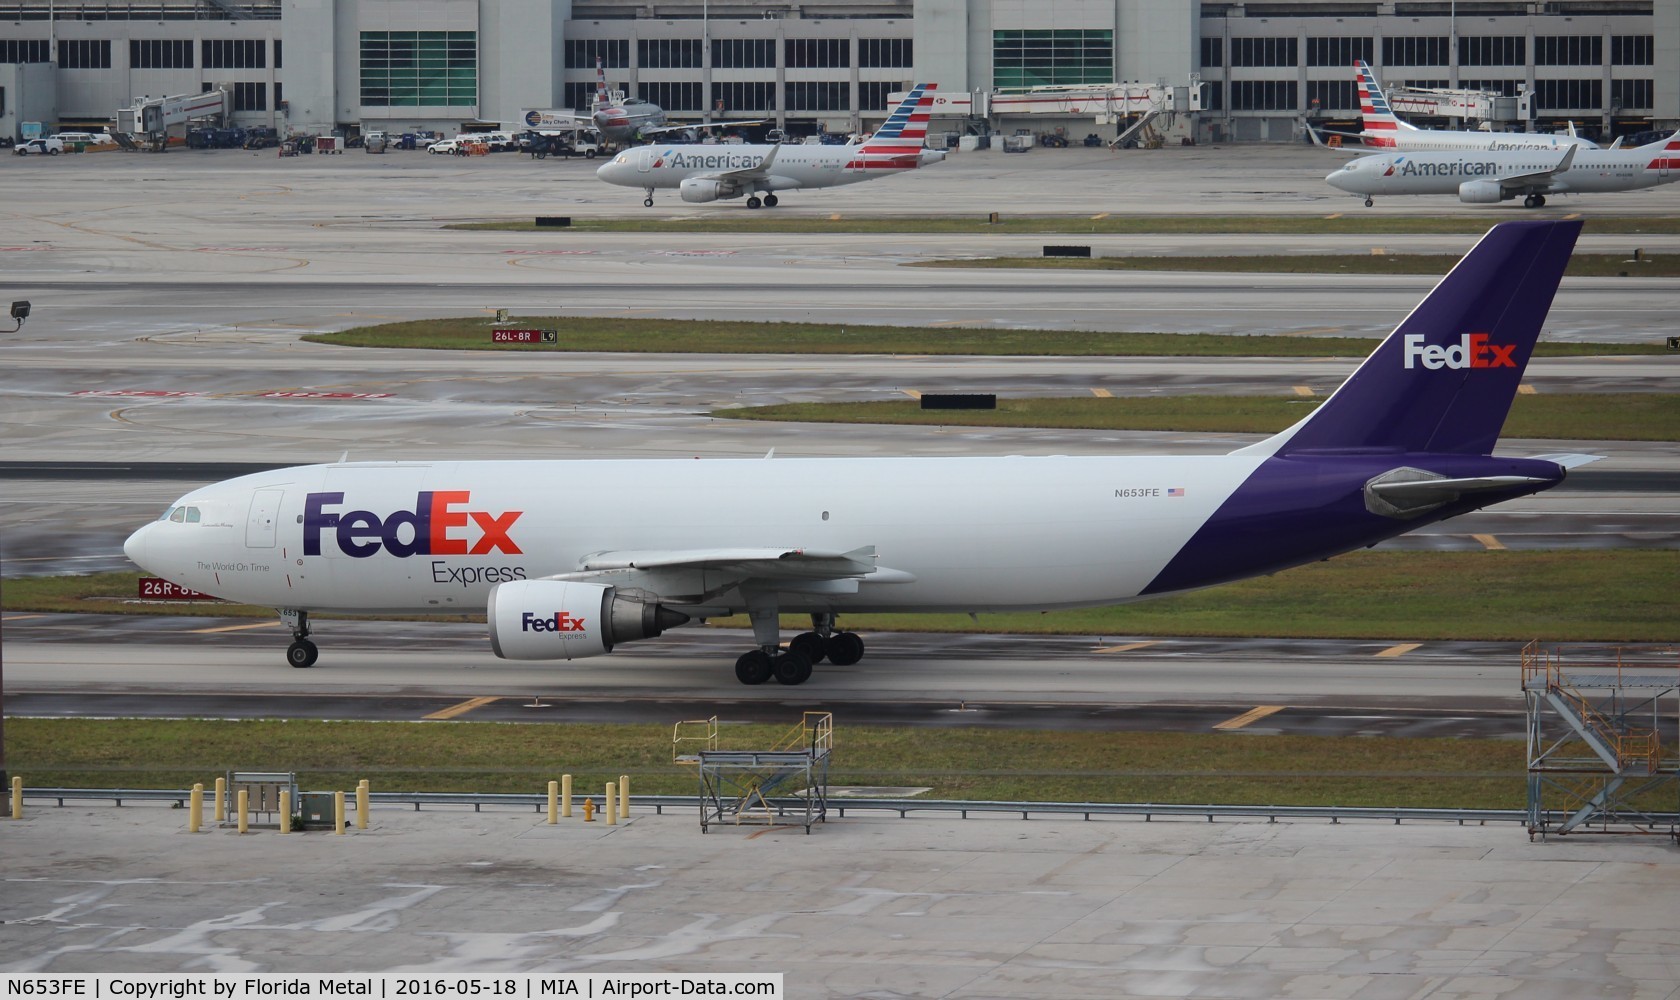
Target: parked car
x,y
445,146
50,145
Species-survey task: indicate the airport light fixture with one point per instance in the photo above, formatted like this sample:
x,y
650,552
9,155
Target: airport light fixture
x,y
20,312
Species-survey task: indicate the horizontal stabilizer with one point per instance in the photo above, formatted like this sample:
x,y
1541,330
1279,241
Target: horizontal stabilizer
x,y
1407,493
1569,459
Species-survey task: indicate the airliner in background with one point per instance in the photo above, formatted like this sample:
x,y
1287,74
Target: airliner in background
x,y
632,119
1486,177
1382,129
569,559
709,173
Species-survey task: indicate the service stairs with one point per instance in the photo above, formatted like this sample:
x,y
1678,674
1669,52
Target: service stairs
x,y
1140,130
1603,740
783,784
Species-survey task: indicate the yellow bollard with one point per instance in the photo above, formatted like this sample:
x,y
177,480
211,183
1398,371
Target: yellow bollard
x,y
362,791
243,803
221,800
196,803
17,798
589,810
286,810
610,806
624,796
553,802
338,813
566,795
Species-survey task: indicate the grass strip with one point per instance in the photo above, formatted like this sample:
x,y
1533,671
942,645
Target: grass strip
x,y
1094,225
586,333
960,763
1581,265
1606,595
1629,416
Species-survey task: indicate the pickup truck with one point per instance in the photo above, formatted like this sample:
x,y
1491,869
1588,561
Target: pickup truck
x,y
49,145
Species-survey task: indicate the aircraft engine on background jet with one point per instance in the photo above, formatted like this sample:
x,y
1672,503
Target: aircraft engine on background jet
x,y
1483,192
703,189
567,620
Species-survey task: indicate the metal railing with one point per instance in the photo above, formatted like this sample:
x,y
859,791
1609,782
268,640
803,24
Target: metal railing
x,y
908,807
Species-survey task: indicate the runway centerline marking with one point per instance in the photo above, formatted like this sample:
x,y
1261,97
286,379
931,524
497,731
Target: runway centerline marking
x,y
1252,715
1127,648
461,709
1400,650
1490,543
232,628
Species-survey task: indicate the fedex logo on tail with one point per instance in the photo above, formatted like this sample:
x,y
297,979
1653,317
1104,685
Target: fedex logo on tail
x,y
440,524
560,621
1472,351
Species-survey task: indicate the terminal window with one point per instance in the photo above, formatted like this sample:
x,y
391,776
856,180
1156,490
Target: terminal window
x,y
819,53
1626,50
1568,50
160,53
1415,50
1263,52
1631,95
1331,95
1505,88
1052,56
1493,50
743,53
234,53
889,53
1263,95
668,53
250,97
25,50
581,53
1569,95
1338,51
419,68
819,96
671,96
85,53
874,95
751,97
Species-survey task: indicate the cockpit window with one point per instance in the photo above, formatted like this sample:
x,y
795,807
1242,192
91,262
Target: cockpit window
x,y
192,515
165,515
178,515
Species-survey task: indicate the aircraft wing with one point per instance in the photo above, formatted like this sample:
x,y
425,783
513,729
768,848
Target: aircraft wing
x,y
693,576
1534,177
749,173
723,123
1357,148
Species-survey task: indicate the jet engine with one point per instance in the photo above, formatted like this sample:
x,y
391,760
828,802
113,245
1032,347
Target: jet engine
x,y
702,189
567,620
1482,192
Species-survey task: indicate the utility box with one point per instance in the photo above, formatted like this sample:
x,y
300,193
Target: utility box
x,y
316,808
262,790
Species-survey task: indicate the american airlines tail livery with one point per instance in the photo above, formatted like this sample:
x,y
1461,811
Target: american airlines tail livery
x,y
1382,128
569,559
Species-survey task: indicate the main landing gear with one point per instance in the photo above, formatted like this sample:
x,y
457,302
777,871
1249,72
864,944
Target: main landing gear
x,y
768,201
1535,201
793,665
301,653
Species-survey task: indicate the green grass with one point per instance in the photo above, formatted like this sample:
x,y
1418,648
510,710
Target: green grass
x,y
954,763
1633,416
584,333
1606,595
1581,265
1096,224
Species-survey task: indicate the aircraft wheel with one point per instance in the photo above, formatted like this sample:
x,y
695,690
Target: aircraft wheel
x,y
753,667
844,648
809,645
1539,201
1368,201
647,202
791,668
302,653
770,201
753,202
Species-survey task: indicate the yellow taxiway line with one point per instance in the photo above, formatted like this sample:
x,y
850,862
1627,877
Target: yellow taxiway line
x,y
233,628
1400,650
912,393
1252,715
1102,394
461,709
1127,648
1490,543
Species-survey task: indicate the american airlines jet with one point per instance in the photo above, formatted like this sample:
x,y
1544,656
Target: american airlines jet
x,y
1383,129
569,559
708,173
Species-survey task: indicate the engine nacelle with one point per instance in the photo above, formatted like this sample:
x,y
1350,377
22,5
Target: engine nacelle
x,y
704,189
1482,192
565,620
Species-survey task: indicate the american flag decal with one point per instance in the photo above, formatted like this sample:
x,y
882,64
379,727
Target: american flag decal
x,y
1175,491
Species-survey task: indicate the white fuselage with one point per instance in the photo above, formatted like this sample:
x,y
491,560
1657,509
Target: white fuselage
x,y
949,534
795,165
1416,140
1591,170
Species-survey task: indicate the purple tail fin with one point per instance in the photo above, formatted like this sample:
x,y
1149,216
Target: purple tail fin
x,y
1443,381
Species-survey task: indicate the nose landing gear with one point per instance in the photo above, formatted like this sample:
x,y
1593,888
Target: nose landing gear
x,y
301,653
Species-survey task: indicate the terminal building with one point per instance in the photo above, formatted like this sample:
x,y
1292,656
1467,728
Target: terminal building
x,y
1252,70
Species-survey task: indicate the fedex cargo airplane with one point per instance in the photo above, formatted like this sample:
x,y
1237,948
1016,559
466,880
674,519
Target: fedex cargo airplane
x,y
708,173
569,559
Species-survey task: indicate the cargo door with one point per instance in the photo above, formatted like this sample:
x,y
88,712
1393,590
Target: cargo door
x,y
260,527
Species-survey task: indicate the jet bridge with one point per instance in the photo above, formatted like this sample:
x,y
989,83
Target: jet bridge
x,y
149,119
1481,105
1603,740
786,782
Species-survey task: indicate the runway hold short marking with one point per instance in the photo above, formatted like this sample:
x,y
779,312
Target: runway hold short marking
x,y
1400,650
1251,716
461,709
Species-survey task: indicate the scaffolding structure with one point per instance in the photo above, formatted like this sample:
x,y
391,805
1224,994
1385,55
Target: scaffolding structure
x,y
787,781
1603,740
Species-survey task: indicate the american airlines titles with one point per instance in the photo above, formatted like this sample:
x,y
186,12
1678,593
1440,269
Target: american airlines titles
x,y
1473,168
712,161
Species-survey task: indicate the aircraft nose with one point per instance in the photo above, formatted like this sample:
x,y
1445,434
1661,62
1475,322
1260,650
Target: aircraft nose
x,y
1339,178
609,171
135,547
